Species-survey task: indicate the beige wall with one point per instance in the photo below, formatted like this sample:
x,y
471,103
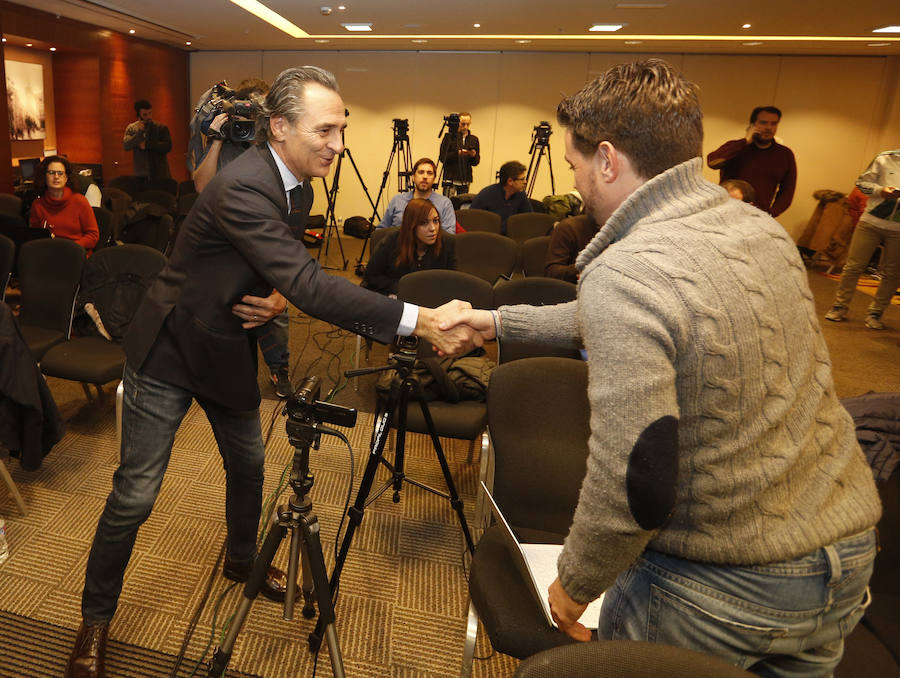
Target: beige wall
x,y
35,147
838,111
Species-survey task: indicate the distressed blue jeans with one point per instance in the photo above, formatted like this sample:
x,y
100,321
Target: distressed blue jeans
x,y
152,412
781,620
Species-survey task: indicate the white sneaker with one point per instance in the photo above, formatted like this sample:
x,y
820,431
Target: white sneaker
x,y
873,322
836,314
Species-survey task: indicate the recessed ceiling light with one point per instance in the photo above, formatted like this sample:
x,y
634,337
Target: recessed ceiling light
x,y
751,44
188,43
419,40
606,28
641,5
523,42
476,25
272,17
53,49
879,44
887,29
131,30
634,42
358,27
29,44
3,40
324,11
746,26
342,7
322,41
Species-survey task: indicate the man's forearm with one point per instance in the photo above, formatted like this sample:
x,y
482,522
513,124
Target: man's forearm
x,y
206,170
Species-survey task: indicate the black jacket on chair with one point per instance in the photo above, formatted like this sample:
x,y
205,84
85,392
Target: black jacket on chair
x,y
236,241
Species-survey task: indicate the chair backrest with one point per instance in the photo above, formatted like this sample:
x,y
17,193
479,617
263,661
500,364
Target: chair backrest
x,y
527,225
128,183
105,221
185,203
533,253
488,256
536,292
165,184
625,659
7,256
186,187
479,220
378,235
115,280
10,204
16,230
157,197
116,201
539,421
49,273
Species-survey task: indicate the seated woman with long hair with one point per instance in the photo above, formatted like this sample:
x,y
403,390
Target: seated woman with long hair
x,y
64,211
418,245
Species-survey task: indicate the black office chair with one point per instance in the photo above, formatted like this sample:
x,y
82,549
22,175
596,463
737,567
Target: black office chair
x,y
157,197
186,187
539,424
466,419
132,185
522,227
535,292
10,204
625,659
115,280
153,231
488,256
7,256
533,255
167,185
105,220
479,220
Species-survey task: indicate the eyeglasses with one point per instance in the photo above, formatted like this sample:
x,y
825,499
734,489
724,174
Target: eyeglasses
x,y
56,173
436,221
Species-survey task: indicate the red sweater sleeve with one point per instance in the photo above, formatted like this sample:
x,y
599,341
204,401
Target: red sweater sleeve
x,y
717,158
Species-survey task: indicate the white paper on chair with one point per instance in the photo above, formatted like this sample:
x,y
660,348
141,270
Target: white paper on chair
x,y
537,565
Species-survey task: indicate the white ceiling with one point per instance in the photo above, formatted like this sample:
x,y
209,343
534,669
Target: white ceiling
x,y
222,25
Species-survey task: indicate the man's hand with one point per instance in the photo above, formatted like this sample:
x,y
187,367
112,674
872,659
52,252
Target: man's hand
x,y
478,320
566,612
256,311
216,126
455,338
751,133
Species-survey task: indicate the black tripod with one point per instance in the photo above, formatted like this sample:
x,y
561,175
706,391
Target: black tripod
x,y
540,145
399,149
331,225
397,403
453,145
304,431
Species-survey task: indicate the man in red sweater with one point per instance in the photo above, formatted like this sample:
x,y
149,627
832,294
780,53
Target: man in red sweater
x,y
761,161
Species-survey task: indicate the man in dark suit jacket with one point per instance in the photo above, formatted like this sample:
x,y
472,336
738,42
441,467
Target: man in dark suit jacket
x,y
188,339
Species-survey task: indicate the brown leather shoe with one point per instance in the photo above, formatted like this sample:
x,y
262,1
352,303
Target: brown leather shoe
x,y
273,588
88,658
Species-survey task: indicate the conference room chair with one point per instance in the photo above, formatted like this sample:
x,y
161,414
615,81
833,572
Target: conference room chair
x,y
105,224
7,256
167,185
466,419
625,659
49,274
535,292
115,280
130,184
533,255
10,204
479,220
155,232
522,227
488,256
375,239
157,197
538,425
186,187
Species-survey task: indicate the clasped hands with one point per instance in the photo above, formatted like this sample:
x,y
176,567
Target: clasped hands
x,y
454,328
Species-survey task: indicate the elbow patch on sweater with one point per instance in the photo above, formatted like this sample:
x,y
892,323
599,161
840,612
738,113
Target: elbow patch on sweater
x,y
652,473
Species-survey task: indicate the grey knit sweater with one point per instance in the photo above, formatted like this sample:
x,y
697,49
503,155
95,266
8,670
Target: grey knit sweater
x,y
694,308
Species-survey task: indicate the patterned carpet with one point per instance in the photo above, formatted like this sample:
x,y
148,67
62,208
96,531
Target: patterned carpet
x,y
403,599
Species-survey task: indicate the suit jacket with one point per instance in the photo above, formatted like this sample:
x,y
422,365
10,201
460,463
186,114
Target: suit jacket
x,y
236,241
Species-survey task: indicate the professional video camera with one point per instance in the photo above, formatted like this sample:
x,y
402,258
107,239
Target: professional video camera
x,y
240,125
305,408
541,134
401,129
452,123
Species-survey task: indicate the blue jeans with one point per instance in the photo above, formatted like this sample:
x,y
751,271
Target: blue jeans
x,y
273,341
151,415
783,620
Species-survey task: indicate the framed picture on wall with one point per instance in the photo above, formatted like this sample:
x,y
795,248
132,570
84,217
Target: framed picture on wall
x,y
25,94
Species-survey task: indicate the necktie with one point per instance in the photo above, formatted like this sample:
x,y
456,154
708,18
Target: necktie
x,y
295,210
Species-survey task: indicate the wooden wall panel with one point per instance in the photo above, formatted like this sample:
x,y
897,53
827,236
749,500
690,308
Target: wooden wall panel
x,y
76,89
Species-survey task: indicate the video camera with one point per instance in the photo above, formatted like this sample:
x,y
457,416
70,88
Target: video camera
x,y
401,129
305,409
240,125
541,134
452,122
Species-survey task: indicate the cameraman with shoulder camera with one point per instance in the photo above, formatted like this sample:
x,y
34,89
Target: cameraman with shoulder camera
x,y
150,143
506,197
460,152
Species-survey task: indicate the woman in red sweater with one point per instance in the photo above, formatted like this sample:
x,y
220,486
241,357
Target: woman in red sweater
x,y
65,212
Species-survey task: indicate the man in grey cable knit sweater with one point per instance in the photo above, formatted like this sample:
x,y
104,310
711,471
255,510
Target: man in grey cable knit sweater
x,y
727,506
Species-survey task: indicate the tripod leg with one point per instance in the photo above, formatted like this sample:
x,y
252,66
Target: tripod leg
x,y
254,584
309,610
550,165
455,501
316,562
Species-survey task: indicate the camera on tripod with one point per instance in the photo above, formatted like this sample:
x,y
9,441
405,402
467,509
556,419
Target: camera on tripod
x,y
305,409
401,129
540,136
240,125
452,123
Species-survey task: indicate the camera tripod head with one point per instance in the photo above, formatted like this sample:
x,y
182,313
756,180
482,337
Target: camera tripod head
x,y
403,360
540,135
401,129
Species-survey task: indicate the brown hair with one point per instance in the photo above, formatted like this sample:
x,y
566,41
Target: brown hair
x,y
40,174
645,109
417,211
